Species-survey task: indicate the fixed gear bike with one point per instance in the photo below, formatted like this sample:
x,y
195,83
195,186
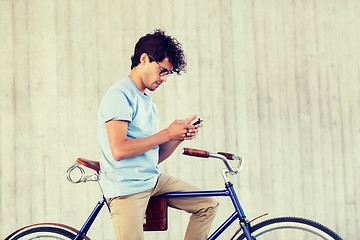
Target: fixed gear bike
x,y
272,229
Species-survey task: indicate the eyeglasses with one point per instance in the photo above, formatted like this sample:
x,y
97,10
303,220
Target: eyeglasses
x,y
163,71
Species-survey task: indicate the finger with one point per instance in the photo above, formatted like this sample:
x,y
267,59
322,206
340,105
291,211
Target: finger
x,y
190,119
192,130
181,122
190,134
189,127
190,138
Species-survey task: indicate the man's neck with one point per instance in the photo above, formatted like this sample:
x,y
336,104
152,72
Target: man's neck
x,y
137,80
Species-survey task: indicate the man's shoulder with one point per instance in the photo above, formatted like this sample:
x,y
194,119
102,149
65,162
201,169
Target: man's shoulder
x,y
122,87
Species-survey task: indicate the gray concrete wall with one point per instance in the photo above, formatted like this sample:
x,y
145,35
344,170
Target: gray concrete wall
x,y
275,81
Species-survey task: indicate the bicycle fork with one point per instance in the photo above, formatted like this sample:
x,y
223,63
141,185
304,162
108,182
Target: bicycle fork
x,y
244,223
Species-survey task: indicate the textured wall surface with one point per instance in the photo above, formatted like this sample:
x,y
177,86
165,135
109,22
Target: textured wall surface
x,y
277,82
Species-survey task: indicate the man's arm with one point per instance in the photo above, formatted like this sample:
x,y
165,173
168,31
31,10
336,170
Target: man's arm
x,y
166,149
122,147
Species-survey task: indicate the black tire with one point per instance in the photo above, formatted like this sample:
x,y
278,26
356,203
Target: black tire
x,y
42,233
291,228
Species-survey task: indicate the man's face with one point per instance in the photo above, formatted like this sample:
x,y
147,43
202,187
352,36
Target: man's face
x,y
152,79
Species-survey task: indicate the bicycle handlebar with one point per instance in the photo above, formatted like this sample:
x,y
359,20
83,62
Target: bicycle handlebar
x,y
220,155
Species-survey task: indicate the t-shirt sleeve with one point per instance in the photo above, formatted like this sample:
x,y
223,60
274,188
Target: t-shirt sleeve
x,y
116,105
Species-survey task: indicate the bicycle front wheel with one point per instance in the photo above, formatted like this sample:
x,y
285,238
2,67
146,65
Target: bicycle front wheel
x,y
291,228
44,232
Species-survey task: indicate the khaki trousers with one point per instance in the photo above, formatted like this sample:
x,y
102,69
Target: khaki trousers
x,y
128,212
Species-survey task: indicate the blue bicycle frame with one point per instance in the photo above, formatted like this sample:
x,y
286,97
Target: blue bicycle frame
x,y
228,192
85,228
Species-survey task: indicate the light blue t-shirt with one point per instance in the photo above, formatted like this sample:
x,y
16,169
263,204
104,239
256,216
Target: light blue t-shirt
x,y
123,101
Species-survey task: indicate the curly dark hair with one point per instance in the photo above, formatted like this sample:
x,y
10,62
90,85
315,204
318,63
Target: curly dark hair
x,y
160,46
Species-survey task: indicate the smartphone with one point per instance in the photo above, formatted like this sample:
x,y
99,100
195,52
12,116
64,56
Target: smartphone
x,y
197,121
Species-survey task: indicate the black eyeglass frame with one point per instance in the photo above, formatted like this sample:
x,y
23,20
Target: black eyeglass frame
x,y
163,71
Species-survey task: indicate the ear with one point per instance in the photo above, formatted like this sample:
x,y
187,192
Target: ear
x,y
144,58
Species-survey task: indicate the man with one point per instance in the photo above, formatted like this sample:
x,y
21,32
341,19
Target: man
x,y
132,147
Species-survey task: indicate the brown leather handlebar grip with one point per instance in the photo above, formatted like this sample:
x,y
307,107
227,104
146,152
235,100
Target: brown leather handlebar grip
x,y
196,152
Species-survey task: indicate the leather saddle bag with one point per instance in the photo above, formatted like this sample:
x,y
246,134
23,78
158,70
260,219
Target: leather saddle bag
x,y
156,215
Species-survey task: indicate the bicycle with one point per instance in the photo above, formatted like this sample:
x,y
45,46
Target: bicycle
x,y
276,228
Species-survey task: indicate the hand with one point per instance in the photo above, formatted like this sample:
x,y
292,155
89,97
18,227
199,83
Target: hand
x,y
180,130
191,134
